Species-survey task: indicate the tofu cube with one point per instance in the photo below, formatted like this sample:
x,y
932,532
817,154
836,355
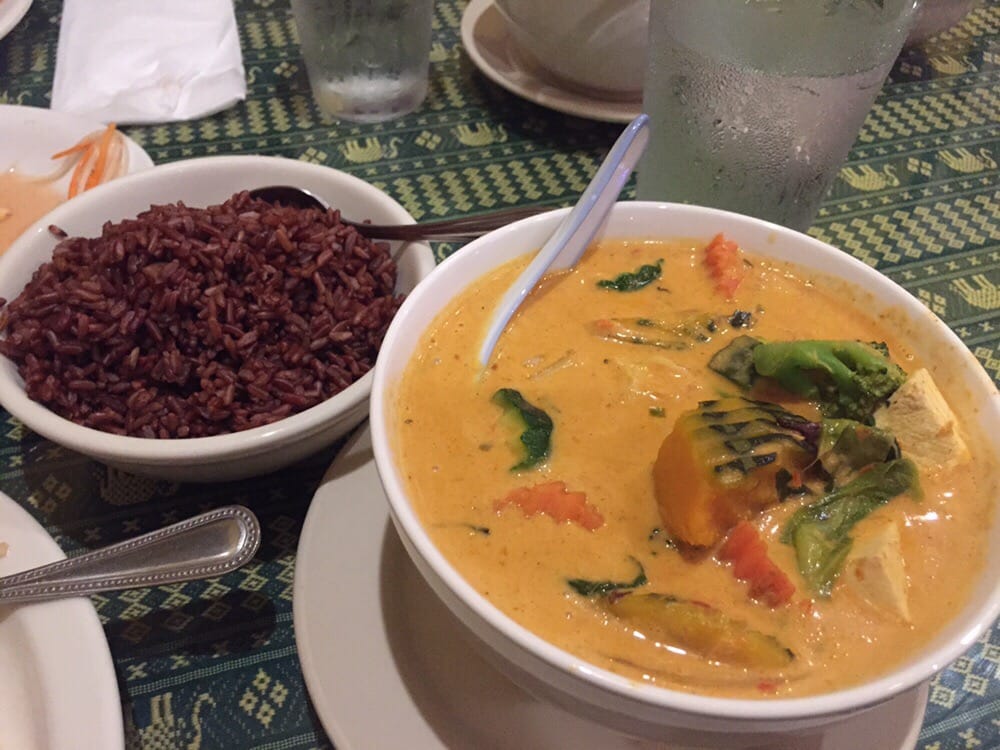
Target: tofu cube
x,y
874,568
924,424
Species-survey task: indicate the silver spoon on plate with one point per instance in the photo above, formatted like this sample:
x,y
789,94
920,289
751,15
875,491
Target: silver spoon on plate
x,y
571,238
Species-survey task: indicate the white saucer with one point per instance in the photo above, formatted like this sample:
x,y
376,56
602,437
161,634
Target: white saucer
x,y
11,11
386,665
485,37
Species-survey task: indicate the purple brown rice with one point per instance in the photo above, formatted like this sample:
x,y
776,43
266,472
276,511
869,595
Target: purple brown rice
x,y
188,322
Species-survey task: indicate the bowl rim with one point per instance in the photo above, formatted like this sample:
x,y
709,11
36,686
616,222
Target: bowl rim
x,y
843,701
200,450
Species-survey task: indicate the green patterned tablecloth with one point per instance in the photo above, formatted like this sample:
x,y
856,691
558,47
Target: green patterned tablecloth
x,y
213,664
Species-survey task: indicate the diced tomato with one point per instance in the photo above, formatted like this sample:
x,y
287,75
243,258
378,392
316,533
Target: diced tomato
x,y
775,592
745,549
604,326
740,539
556,501
751,567
767,686
772,585
724,260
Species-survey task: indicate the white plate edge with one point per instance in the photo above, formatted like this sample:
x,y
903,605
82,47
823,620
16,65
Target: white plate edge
x,y
575,104
82,613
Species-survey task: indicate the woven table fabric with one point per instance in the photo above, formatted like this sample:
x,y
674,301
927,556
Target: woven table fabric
x,y
213,664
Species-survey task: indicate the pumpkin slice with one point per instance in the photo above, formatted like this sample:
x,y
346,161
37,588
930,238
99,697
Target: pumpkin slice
x,y
699,629
721,465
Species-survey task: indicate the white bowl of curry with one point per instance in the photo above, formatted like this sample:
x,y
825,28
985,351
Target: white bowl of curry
x,y
720,481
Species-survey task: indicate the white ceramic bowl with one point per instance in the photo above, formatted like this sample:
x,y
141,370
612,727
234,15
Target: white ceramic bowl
x,y
202,182
598,46
595,693
935,16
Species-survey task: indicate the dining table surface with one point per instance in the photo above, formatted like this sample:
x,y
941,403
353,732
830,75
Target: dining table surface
x,y
214,664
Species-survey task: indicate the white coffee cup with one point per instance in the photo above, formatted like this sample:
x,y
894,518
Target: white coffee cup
x,y
598,46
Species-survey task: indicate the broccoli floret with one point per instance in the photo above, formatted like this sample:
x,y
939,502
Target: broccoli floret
x,y
849,379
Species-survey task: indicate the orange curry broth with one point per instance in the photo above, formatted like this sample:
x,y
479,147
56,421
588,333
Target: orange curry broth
x,y
605,399
22,202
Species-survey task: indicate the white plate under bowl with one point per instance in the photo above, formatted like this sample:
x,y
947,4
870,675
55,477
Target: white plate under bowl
x,y
387,665
30,135
47,652
488,44
11,12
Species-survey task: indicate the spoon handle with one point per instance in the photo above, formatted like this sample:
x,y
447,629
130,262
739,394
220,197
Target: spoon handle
x,y
571,238
464,228
204,546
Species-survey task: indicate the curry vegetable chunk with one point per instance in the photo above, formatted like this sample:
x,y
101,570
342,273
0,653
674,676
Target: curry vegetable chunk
x,y
924,424
875,568
700,628
720,464
847,379
821,531
685,529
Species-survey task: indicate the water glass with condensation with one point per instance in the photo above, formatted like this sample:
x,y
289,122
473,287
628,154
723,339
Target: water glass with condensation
x,y
754,104
367,60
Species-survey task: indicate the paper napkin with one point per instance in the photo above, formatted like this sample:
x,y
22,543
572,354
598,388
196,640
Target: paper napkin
x,y
147,61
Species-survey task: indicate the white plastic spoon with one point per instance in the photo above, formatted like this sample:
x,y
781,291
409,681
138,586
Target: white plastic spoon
x,y
564,248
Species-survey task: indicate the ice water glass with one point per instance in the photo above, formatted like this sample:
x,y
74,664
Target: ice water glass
x,y
367,59
754,104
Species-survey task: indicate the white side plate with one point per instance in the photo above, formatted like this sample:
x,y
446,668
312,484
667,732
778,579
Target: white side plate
x,y
57,682
30,135
11,12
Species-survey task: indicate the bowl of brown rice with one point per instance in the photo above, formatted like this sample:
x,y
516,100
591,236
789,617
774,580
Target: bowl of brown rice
x,y
168,324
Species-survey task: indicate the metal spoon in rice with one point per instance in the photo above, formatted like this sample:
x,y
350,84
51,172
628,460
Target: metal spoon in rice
x,y
446,230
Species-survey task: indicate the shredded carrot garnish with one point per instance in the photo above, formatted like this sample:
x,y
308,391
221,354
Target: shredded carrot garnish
x,y
78,146
556,501
74,182
725,262
745,549
103,151
93,156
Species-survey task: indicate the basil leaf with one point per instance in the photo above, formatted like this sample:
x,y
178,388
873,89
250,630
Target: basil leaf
x,y
631,282
601,588
537,435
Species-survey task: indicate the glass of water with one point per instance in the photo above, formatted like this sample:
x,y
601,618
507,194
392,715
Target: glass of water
x,y
367,60
754,104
